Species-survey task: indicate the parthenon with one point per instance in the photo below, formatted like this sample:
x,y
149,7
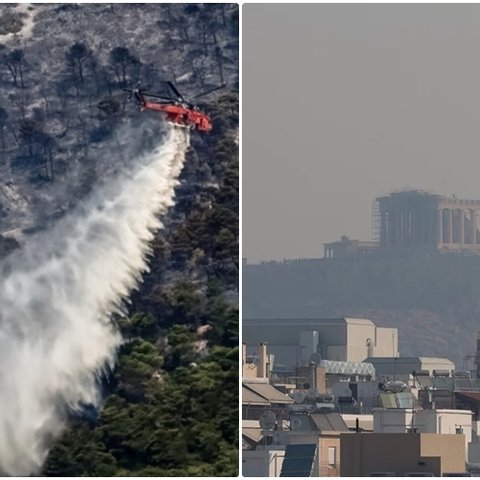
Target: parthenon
x,y
415,221
420,220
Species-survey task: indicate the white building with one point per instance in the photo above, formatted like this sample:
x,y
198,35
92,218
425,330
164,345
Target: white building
x,y
396,420
365,421
401,368
264,462
294,341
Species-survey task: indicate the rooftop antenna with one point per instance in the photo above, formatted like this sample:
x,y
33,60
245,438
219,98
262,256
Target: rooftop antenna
x,y
295,424
298,396
312,394
315,358
267,423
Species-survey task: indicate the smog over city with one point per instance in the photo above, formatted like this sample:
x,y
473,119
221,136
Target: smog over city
x,y
349,102
384,117
361,239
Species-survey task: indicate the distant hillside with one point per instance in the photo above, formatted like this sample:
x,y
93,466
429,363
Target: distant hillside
x,y
60,62
170,406
434,301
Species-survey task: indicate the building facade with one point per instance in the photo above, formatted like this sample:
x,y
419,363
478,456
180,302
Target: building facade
x,y
294,341
414,221
345,247
424,221
400,368
263,462
458,422
400,453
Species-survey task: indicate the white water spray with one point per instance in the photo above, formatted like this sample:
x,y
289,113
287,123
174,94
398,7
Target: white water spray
x,y
56,298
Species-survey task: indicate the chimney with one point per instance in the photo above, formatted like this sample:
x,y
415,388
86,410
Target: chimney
x,y
263,363
244,353
313,369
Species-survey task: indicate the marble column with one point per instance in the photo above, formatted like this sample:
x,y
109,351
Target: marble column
x,y
461,226
439,226
449,226
432,220
393,227
473,225
404,227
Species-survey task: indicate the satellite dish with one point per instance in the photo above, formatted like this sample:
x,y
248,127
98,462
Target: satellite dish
x,y
295,424
315,358
267,421
298,396
312,394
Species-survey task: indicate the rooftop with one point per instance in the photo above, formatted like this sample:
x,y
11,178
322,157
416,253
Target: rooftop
x,y
256,393
295,321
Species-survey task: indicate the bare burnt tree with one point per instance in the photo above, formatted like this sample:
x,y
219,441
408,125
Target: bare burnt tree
x,y
29,129
15,61
76,57
209,17
220,59
21,101
40,145
121,59
46,144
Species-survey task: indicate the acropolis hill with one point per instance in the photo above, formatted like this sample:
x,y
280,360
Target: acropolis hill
x,y
420,273
411,222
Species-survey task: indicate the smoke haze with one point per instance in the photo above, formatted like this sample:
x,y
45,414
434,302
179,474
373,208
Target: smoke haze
x,y
347,102
57,295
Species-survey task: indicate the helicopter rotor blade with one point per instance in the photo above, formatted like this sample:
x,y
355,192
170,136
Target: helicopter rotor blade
x,y
154,95
130,93
210,91
163,103
133,90
175,91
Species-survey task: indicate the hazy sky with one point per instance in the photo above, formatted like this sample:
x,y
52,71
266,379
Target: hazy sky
x,y
343,103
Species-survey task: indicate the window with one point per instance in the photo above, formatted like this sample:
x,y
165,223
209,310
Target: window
x,y
332,456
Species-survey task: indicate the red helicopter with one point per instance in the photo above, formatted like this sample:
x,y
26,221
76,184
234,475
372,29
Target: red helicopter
x,y
179,111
